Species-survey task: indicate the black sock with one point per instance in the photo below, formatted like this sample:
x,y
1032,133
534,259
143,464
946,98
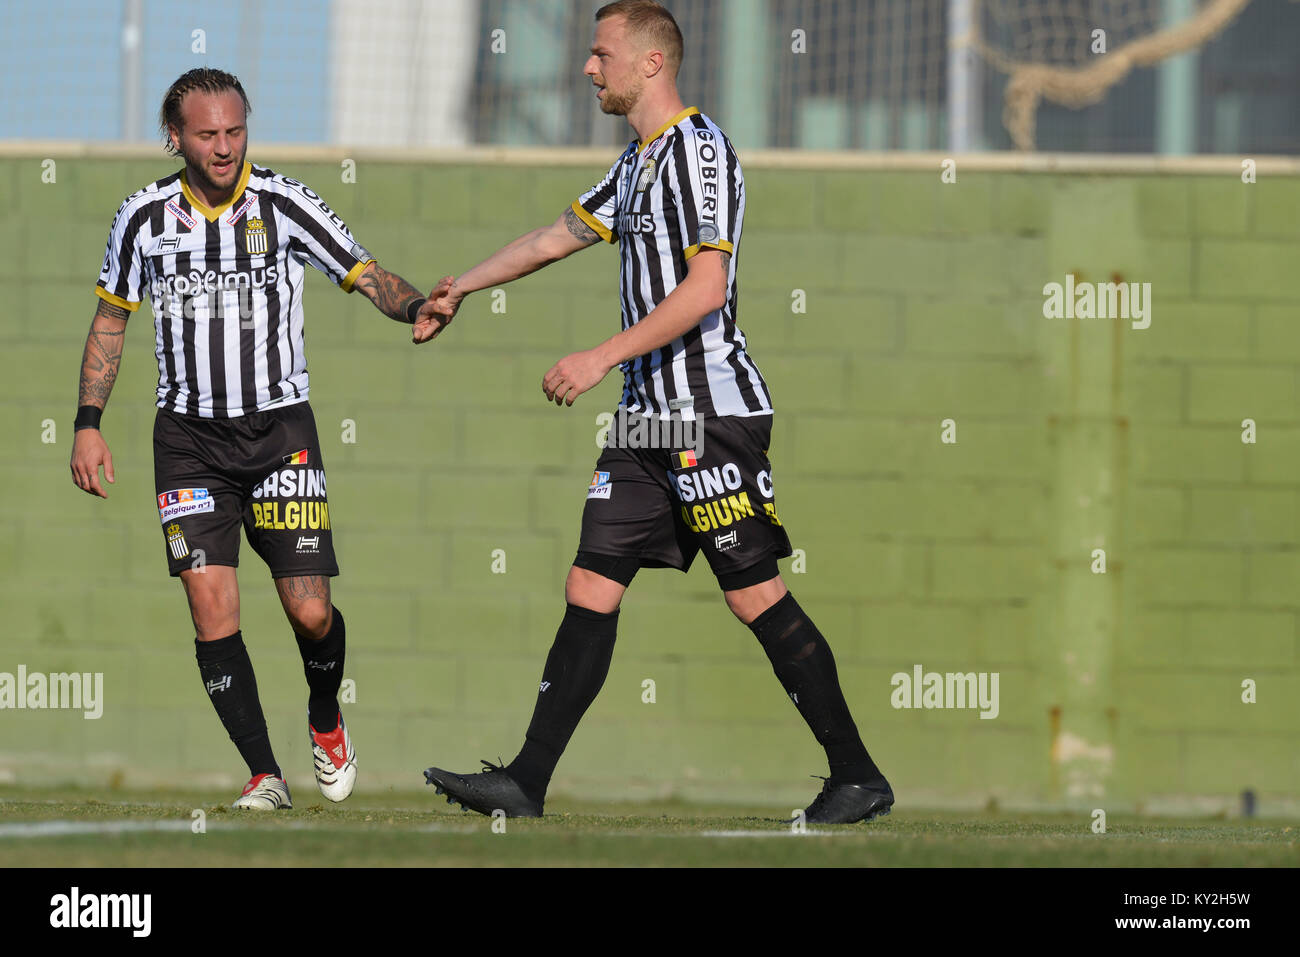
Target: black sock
x,y
227,675
322,663
574,673
806,669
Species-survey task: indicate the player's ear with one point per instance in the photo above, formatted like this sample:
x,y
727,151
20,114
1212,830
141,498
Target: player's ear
x,y
653,63
175,135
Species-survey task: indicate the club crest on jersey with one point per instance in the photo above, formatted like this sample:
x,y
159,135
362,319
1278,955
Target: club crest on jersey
x,y
255,237
647,176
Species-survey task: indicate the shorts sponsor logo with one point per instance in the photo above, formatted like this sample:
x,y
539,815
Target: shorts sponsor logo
x,y
176,541
706,483
180,214
726,542
599,487
184,501
308,545
717,514
291,516
292,483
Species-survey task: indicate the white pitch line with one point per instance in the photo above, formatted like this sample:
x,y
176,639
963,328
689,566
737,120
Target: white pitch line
x,y
61,828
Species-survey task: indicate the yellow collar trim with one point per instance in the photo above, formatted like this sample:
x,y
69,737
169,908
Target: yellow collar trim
x,y
201,207
689,111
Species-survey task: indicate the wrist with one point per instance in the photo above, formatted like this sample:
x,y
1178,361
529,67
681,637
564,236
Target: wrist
x,y
413,309
607,353
88,417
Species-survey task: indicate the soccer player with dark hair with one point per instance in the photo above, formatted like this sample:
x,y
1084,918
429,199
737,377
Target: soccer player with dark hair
x,y
674,202
220,247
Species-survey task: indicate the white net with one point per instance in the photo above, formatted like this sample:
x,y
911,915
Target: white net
x,y
1073,52
1096,75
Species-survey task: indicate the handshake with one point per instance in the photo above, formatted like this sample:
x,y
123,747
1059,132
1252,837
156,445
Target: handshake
x,y
438,310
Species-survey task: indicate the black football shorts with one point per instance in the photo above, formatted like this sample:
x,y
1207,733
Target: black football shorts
x,y
664,490
264,470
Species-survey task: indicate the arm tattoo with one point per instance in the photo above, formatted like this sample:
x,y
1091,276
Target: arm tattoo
x,y
304,588
102,356
726,262
390,293
580,230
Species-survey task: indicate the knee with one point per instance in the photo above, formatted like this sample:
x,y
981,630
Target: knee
x,y
311,619
748,603
587,589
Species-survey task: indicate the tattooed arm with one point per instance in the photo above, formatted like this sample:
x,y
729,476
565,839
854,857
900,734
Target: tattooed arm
x,y
393,296
390,293
99,365
527,254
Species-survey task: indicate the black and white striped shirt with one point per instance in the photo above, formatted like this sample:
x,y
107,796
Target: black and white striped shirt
x,y
225,285
664,201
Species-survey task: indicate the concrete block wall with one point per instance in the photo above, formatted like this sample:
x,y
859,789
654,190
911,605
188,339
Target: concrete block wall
x,y
922,301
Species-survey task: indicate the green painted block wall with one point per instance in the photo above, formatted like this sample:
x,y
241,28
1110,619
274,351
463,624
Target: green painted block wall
x,y
921,302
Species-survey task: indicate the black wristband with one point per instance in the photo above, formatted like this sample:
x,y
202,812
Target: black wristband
x,y
413,309
88,417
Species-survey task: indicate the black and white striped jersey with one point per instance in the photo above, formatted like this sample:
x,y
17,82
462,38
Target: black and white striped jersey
x,y
663,201
226,285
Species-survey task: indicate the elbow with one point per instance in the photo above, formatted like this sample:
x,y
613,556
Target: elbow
x,y
713,298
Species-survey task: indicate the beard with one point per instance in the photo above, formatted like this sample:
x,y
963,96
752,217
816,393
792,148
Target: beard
x,y
199,173
619,104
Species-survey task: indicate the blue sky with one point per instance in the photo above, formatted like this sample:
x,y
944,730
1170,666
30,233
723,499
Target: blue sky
x,y
61,65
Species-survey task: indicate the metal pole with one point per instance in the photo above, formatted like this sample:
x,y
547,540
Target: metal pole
x,y
132,128
964,113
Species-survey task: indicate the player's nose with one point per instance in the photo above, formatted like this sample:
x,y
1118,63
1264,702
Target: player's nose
x,y
592,67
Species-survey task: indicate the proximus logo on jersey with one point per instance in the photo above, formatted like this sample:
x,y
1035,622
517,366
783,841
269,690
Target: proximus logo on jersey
x,y
196,283
636,223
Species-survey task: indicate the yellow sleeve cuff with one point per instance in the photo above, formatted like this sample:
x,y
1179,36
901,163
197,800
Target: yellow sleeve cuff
x,y
720,244
118,301
351,278
593,222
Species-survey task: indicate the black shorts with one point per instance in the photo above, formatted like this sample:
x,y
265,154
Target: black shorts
x,y
264,470
693,489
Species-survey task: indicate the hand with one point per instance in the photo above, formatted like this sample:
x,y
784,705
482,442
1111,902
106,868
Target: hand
x,y
574,375
436,314
89,452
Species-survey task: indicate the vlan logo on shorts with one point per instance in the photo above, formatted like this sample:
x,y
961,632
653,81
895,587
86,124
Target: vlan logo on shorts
x,y
306,544
599,487
728,541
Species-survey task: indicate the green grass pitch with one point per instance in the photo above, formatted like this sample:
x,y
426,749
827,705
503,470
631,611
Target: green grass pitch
x,y
69,828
